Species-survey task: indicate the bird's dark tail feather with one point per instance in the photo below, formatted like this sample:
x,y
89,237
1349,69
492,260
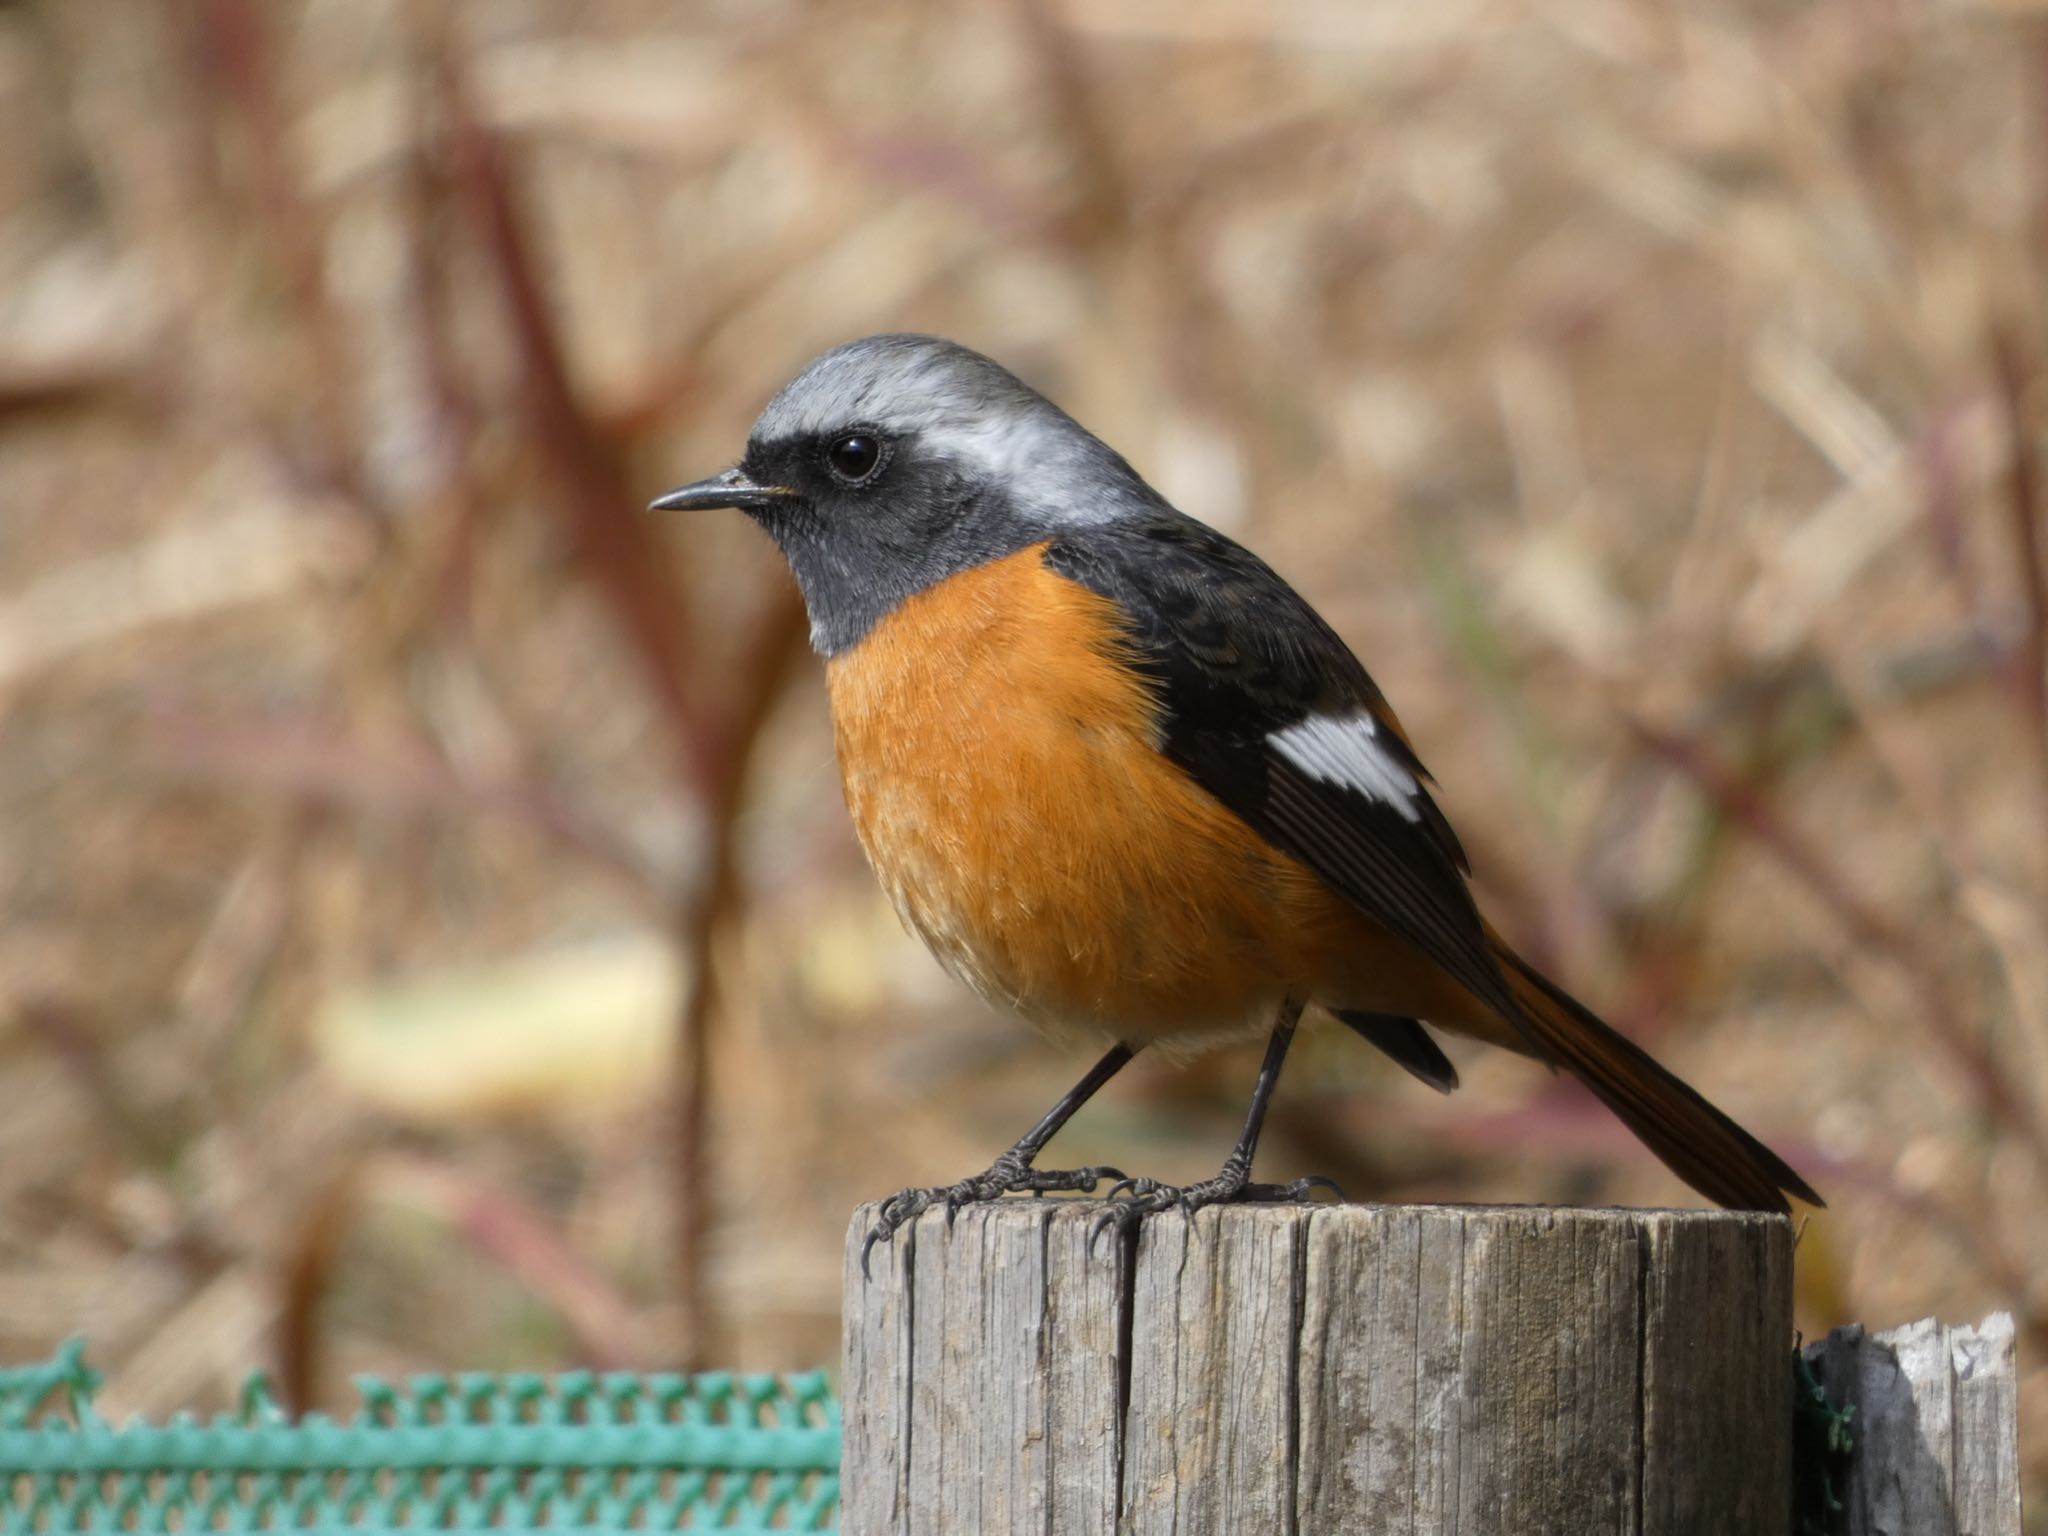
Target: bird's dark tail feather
x,y
1695,1140
1406,1041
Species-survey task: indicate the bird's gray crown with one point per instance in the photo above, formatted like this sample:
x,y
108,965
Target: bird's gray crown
x,y
967,464
958,407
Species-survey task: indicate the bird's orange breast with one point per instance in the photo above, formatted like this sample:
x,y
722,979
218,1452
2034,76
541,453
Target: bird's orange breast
x,y
1000,758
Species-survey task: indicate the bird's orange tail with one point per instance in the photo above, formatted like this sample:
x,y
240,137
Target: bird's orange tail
x,y
1695,1140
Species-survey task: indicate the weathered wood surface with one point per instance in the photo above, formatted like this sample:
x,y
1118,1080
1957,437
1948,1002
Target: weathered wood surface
x,y
1408,1370
1936,1425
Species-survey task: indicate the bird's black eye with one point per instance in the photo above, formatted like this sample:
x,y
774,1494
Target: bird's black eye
x,y
855,456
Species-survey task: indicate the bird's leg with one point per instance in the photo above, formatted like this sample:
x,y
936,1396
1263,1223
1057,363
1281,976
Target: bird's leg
x,y
1233,1182
1012,1171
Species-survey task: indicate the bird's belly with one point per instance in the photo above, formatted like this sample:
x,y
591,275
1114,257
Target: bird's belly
x,y
1000,764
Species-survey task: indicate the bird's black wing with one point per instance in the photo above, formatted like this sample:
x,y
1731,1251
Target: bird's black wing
x,y
1267,709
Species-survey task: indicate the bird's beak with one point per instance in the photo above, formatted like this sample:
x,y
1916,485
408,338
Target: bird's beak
x,y
729,489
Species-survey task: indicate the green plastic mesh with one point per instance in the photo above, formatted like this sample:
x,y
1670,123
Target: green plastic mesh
x,y
469,1453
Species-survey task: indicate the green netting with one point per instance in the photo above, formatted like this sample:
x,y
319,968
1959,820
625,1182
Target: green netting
x,y
578,1452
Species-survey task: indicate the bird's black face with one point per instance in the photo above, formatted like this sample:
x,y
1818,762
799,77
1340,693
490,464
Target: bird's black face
x,y
821,467
872,519
897,461
848,472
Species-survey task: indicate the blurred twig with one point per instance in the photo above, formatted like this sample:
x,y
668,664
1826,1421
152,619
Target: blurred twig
x,y
77,387
306,1278
147,1143
1970,1238
498,1224
714,740
2028,667
429,188
236,58
778,642
1879,939
322,762
510,1231
1098,209
597,509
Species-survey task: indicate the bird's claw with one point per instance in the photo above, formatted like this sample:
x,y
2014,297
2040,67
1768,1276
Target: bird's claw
x,y
1002,1178
1233,1186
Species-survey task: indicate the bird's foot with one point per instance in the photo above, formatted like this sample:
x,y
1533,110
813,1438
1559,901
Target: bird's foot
x,y
1007,1175
1132,1200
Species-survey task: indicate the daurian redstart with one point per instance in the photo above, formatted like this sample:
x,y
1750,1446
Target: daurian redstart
x,y
1123,779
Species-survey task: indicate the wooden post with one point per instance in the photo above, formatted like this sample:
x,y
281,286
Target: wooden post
x,y
1406,1370
1935,1423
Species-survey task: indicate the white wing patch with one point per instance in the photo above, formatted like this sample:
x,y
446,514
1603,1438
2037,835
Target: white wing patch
x,y
1346,750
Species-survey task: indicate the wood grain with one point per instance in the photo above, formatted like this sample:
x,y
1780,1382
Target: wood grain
x,y
1413,1370
1936,1424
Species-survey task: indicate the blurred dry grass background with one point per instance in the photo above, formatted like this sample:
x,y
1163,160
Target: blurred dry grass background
x,y
431,935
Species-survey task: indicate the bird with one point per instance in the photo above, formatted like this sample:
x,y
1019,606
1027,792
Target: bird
x,y
1123,780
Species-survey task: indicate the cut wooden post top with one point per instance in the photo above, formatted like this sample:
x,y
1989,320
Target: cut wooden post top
x,y
1415,1369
